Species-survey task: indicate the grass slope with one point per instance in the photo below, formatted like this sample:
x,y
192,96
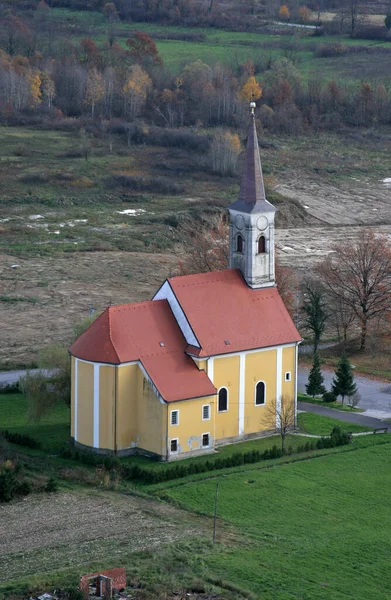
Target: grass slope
x,y
52,430
319,425
312,530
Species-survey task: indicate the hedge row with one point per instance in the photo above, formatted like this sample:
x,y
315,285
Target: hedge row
x,y
148,475
20,439
10,388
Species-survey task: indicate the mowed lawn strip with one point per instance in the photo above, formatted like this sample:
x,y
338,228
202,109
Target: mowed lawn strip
x,y
312,530
320,425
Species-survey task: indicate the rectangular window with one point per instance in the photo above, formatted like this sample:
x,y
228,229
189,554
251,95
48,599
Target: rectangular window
x,y
205,440
174,446
288,376
174,417
206,412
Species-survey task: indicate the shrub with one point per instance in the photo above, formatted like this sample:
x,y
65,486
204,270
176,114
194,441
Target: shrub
x,y
328,397
10,388
52,485
327,50
145,184
21,439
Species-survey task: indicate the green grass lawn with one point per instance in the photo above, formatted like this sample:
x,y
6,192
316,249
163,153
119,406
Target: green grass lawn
x,y
320,425
335,405
52,430
311,530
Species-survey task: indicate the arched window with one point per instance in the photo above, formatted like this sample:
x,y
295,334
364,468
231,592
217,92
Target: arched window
x,y
260,393
239,244
223,400
261,245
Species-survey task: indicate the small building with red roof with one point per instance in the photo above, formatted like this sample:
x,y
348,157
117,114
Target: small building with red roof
x,y
208,361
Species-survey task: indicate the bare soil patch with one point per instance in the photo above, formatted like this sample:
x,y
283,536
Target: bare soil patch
x,y
67,529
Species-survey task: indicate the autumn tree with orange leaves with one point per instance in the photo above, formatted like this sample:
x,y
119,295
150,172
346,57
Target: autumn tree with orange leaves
x,y
142,46
358,275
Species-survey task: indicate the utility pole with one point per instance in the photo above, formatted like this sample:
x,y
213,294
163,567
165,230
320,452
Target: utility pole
x,y
215,514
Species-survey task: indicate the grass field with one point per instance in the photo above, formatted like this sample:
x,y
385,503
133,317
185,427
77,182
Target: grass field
x,y
298,527
312,530
52,430
233,48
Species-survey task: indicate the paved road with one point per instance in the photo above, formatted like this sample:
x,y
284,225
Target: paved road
x,y
375,394
12,376
347,417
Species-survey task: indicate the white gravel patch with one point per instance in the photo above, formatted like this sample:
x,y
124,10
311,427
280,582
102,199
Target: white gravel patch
x,y
132,212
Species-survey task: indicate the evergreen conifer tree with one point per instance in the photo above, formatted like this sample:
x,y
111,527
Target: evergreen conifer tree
x,y
315,385
343,382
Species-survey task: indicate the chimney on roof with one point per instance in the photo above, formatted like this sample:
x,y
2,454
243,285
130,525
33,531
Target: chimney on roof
x,y
252,220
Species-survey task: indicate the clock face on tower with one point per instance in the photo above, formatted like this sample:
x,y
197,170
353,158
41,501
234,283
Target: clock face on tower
x,y
239,221
262,223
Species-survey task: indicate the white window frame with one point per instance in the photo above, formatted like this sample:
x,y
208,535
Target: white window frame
x,y
177,446
223,387
208,417
288,376
255,393
202,436
177,423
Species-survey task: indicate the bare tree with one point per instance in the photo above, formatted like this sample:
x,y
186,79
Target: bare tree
x,y
282,416
358,274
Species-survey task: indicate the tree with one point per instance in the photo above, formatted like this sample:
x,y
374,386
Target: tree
x,y
51,385
224,152
354,8
282,416
35,88
315,314
142,46
284,13
304,13
343,382
135,91
13,34
95,89
314,386
251,90
48,88
358,274
387,21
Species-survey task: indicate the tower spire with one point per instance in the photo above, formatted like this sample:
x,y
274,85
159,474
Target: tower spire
x,y
252,190
252,221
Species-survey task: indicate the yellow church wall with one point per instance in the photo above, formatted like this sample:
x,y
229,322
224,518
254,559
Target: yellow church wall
x,y
152,419
72,396
226,374
85,403
127,404
190,428
288,365
260,366
106,407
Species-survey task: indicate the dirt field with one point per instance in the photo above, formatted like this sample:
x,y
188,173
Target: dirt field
x,y
46,533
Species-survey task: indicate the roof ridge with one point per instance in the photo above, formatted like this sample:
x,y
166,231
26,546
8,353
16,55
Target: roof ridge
x,y
110,336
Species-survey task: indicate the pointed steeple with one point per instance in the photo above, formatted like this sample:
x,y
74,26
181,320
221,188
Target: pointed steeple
x,y
252,190
251,221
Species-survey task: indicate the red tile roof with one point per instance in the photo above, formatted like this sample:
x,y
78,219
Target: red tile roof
x,y
135,332
228,316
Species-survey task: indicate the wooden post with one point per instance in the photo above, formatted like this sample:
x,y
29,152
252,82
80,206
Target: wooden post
x,y
215,513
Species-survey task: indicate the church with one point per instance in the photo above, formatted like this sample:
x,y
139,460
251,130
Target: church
x,y
199,365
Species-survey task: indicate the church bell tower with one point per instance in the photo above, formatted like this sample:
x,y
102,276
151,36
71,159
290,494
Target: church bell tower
x,y
251,217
